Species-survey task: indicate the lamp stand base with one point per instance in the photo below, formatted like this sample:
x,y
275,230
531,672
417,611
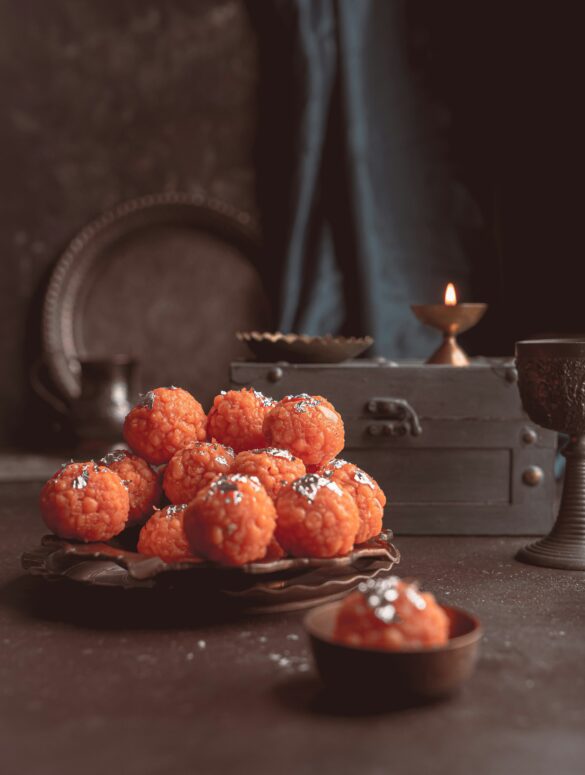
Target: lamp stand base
x,y
449,353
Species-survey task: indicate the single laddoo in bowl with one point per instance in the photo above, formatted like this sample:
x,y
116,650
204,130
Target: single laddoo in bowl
x,y
387,643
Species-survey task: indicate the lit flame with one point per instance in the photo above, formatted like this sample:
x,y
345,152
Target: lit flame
x,y
450,295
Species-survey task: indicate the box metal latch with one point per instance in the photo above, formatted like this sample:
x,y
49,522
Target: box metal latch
x,y
398,416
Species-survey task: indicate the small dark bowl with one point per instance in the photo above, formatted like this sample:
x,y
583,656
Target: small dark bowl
x,y
398,677
301,348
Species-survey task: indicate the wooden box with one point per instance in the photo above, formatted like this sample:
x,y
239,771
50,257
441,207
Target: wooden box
x,y
451,447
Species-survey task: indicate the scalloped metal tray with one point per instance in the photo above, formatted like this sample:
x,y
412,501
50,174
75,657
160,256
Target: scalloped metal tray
x,y
302,348
268,585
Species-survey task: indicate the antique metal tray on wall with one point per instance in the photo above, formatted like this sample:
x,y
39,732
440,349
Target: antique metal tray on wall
x,y
167,278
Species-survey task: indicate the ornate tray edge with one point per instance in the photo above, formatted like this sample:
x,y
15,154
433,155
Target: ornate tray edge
x,y
58,353
278,336
44,560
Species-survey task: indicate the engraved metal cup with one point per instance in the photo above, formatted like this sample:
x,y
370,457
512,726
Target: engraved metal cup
x,y
551,379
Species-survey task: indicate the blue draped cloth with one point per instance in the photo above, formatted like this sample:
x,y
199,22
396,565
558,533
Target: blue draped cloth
x,y
363,210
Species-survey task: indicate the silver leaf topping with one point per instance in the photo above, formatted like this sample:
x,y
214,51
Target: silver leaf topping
x,y
266,400
62,468
172,511
362,478
274,452
146,400
115,456
222,461
80,482
337,462
387,613
223,485
253,480
380,594
302,406
228,487
309,485
415,597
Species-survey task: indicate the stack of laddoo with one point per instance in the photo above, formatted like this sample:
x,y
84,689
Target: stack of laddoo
x,y
254,479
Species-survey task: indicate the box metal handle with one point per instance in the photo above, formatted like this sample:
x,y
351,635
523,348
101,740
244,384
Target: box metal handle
x,y
400,418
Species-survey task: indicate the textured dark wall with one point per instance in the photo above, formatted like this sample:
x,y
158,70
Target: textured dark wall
x,y
103,101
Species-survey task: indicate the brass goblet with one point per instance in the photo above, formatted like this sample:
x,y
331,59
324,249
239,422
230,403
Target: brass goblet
x,y
451,320
551,378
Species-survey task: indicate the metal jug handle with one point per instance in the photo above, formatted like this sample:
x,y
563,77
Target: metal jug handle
x,y
43,391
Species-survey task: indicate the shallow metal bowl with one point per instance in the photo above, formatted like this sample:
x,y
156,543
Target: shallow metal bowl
x,y
301,348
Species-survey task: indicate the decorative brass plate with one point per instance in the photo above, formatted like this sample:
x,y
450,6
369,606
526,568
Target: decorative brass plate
x,y
300,348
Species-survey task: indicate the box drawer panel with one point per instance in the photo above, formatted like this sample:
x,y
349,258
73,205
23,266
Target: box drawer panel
x,y
471,476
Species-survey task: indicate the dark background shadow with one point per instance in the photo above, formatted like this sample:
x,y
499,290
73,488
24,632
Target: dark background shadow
x,y
127,99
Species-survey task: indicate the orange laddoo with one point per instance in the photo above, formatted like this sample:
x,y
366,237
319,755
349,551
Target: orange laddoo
x,y
308,426
192,468
274,550
236,418
273,467
389,613
367,493
85,502
142,483
164,536
164,421
316,518
231,520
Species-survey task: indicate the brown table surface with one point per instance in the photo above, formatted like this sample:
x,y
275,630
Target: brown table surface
x,y
94,681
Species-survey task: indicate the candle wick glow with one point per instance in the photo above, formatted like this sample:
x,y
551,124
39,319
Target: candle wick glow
x,y
450,295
